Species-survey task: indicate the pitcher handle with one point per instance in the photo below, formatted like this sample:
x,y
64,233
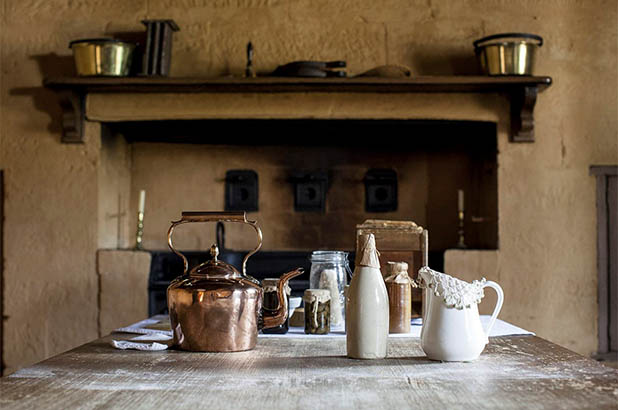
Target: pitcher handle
x,y
500,293
188,217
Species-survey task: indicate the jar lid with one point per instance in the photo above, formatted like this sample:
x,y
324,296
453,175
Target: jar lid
x,y
267,282
397,272
319,295
328,256
396,267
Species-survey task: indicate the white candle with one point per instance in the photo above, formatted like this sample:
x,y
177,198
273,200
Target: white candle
x,y
460,200
142,201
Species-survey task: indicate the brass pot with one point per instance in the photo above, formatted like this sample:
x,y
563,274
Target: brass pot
x,y
102,57
216,308
507,53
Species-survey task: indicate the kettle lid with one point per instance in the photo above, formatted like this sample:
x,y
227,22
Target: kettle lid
x,y
215,268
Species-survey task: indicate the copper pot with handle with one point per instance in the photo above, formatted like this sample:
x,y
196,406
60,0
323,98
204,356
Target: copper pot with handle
x,y
214,307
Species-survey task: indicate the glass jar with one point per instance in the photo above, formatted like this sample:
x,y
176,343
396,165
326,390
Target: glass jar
x,y
330,270
317,311
271,302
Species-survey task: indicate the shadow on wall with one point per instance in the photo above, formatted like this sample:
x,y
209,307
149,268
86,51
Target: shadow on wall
x,y
45,100
443,61
54,65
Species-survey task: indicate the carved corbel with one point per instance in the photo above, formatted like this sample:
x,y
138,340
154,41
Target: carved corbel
x,y
73,116
522,118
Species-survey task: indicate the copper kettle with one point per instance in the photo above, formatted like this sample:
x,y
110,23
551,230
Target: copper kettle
x,y
214,307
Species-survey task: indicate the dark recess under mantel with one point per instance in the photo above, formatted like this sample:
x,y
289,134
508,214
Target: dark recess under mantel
x,y
521,90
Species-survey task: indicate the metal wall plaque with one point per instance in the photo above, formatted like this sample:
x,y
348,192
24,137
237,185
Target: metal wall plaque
x,y
241,190
381,190
310,191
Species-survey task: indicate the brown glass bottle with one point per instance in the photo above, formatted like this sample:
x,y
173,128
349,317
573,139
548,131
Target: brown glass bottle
x,y
399,288
271,302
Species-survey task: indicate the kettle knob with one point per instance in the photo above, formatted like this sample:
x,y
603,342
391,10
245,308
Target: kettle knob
x,y
214,252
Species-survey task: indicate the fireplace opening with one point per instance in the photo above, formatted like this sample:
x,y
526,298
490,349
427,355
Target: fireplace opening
x,y
183,166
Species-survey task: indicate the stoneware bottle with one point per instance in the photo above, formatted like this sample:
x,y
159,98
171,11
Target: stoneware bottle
x,y
367,301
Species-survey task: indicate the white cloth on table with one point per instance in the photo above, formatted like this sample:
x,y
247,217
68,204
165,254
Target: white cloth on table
x,y
141,329
125,344
145,334
501,328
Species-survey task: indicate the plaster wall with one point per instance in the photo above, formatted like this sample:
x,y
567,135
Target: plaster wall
x,y
469,265
124,288
158,168
546,261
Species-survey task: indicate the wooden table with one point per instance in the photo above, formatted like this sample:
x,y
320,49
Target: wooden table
x,y
284,373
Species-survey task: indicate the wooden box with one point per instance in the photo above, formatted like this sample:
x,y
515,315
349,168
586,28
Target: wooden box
x,y
400,241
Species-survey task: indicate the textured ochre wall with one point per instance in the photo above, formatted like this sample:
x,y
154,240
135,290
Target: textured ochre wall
x,y
202,187
546,261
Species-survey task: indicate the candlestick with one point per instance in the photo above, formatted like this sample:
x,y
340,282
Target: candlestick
x,y
140,220
140,231
460,216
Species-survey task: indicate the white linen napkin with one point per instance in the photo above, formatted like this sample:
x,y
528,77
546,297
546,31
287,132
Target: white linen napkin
x,y
125,344
150,335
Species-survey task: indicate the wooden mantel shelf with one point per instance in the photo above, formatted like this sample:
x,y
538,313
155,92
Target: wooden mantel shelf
x,y
279,84
521,90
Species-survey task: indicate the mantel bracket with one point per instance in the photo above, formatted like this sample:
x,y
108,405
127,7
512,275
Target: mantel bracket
x,y
522,118
73,115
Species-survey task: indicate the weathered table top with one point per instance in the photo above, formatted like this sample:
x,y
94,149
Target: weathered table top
x,y
283,373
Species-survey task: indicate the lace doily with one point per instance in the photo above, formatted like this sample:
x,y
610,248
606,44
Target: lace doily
x,y
455,292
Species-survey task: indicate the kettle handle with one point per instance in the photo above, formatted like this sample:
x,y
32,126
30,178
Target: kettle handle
x,y
188,217
498,289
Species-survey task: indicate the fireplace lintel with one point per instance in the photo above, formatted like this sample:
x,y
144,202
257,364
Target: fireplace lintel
x,y
521,91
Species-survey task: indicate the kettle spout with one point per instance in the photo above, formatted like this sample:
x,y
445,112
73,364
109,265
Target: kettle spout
x,y
277,317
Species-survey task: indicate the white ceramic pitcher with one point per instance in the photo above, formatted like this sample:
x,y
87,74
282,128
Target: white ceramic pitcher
x,y
452,330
